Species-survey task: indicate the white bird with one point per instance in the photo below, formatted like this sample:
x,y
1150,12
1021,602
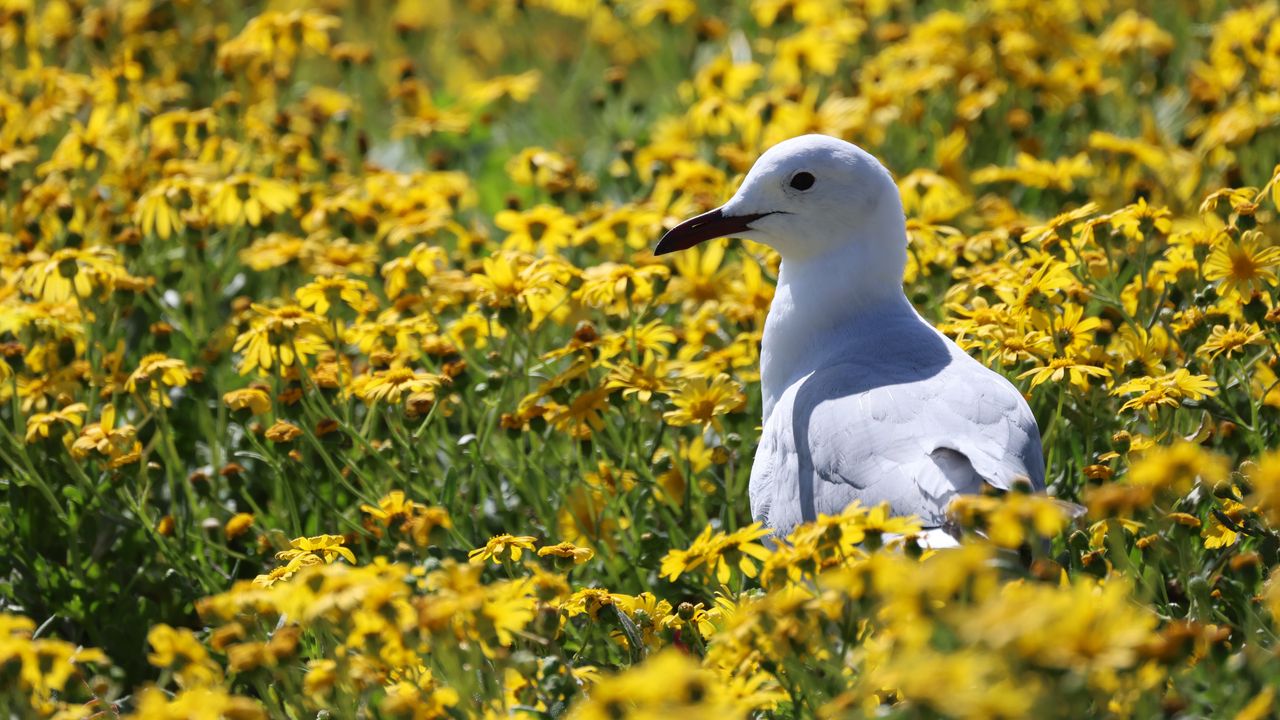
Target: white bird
x,y
863,399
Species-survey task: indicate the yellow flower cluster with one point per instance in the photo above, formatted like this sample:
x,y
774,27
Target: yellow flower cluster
x,y
338,323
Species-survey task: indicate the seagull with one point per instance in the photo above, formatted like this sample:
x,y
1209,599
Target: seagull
x,y
863,399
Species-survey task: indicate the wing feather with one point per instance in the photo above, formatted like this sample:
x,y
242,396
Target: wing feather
x,y
861,431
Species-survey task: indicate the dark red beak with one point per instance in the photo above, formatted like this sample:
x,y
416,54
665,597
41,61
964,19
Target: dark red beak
x,y
704,227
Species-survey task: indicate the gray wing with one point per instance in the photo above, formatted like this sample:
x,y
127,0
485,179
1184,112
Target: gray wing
x,y
870,433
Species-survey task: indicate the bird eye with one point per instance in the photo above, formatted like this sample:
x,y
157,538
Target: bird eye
x,y
802,180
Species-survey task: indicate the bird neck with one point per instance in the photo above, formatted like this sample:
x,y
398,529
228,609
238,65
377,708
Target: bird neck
x,y
827,304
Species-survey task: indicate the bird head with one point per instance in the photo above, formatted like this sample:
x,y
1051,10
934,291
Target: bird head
x,y
804,197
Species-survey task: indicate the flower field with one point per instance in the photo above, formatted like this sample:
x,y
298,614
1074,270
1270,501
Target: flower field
x,y
338,378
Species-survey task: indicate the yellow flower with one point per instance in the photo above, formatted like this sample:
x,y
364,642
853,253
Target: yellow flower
x,y
326,547
411,699
40,425
157,373
606,286
719,553
157,210
502,548
1076,372
673,12
320,678
567,550
1176,467
283,336
1070,332
520,88
255,400
319,294
1264,478
178,650
1259,707
1229,340
1219,534
1166,391
506,610
199,702
1037,292
541,168
544,227
586,518
512,278
1012,519
119,445
421,526
393,507
40,669
583,415
245,199
393,384
1060,174
587,601
1243,266
669,685
637,380
391,332
1133,32
283,431
73,272
703,400
273,251
238,525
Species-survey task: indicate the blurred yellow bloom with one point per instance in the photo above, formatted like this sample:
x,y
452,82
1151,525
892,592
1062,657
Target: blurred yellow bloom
x,y
520,88
42,667
245,199
1060,174
1176,467
423,524
1264,480
1012,519
277,38
238,525
319,294
283,431
157,212
669,685
71,273
255,400
198,702
546,228
178,650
